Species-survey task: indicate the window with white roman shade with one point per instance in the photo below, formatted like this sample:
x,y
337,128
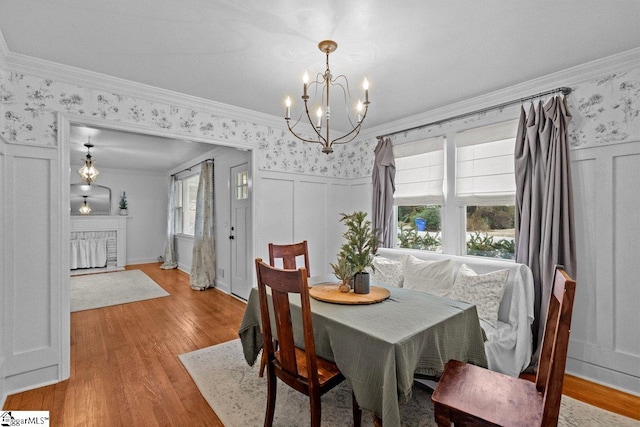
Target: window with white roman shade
x,y
485,164
419,172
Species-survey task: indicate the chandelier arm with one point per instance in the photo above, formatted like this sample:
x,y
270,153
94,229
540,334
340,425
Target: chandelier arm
x,y
355,129
301,138
347,97
306,109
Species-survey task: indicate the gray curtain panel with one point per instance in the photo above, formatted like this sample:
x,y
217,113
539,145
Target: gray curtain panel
x,y
384,174
170,261
203,266
545,228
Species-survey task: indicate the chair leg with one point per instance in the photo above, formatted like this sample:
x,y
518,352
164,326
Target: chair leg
x,y
316,409
357,412
442,416
263,363
271,398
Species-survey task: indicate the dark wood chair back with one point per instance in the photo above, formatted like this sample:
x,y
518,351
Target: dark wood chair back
x,y
469,395
282,283
300,369
555,344
289,254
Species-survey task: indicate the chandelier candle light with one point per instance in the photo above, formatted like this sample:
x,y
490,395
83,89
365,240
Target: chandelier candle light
x,y
84,208
88,172
325,81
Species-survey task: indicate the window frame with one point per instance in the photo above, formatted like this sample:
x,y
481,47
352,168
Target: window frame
x,y
453,209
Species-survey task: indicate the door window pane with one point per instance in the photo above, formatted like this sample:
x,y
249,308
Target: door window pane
x,y
242,185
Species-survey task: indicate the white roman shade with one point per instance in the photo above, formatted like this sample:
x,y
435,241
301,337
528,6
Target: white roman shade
x,y
419,172
485,164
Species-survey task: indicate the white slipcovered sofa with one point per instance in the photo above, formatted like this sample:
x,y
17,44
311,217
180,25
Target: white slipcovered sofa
x,y
509,338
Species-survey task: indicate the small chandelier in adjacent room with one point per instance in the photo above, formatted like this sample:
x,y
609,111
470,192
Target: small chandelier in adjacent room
x,y
88,172
323,112
84,208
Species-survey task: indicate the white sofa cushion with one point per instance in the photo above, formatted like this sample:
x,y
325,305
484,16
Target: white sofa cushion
x,y
432,277
483,290
386,271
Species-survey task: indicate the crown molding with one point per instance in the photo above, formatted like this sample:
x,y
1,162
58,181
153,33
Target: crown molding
x,y
45,69
568,77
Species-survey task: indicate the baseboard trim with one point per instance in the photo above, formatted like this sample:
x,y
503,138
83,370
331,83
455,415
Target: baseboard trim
x,y
32,379
603,376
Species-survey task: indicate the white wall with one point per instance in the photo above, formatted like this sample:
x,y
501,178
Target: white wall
x,y
147,218
605,342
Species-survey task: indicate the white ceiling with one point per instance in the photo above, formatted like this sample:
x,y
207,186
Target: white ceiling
x,y
417,54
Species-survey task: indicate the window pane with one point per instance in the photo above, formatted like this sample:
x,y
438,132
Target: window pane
x,y
190,192
419,227
491,231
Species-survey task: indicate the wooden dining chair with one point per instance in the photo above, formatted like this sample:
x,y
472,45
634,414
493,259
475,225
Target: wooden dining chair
x,y
299,368
467,395
288,254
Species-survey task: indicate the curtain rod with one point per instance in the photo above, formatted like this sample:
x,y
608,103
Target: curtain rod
x,y
564,90
193,166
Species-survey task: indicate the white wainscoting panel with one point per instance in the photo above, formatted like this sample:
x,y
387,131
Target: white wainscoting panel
x,y
295,207
275,212
31,313
605,343
626,249
339,202
309,221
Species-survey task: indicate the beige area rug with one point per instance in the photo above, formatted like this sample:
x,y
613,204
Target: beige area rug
x,y
105,289
238,397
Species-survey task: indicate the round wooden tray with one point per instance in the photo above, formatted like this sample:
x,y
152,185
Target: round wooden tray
x,y
329,293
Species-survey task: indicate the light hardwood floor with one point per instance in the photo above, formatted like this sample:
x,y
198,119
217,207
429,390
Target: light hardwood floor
x,y
125,368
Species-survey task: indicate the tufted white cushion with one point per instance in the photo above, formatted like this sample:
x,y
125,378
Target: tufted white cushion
x,y
432,277
483,290
387,271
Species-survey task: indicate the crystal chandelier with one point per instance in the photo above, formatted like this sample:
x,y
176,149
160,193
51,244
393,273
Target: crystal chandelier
x,y
323,112
84,208
88,172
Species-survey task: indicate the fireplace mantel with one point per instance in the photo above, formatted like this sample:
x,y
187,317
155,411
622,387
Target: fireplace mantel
x,y
106,223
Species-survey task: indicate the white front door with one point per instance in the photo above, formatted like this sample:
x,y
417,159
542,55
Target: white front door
x,y
239,233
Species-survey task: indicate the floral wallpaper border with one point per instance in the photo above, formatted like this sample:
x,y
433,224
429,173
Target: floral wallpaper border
x,y
29,106
605,110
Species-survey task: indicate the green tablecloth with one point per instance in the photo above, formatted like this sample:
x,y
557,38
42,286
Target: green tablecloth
x,y
379,347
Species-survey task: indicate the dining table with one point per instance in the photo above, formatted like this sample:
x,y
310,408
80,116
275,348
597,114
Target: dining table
x,y
381,347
